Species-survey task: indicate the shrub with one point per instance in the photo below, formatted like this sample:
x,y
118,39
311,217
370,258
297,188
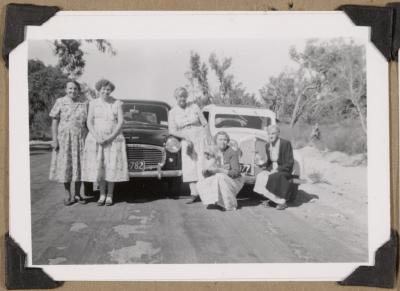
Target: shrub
x,y
40,129
346,136
317,177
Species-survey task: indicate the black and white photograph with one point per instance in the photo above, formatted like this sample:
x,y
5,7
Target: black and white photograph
x,y
199,150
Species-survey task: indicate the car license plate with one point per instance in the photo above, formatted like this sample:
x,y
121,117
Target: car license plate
x,y
245,168
137,166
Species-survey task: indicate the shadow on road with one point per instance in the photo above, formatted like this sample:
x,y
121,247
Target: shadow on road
x,y
249,201
248,198
138,191
142,191
302,197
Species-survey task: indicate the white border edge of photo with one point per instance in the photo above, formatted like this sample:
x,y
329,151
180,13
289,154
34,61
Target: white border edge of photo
x,y
100,26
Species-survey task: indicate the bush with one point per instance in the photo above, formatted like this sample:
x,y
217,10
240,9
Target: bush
x,y
317,178
346,136
40,129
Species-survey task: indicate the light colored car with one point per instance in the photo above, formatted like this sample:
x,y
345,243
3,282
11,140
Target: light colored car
x,y
246,127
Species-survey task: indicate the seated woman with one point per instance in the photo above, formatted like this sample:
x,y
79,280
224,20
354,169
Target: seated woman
x,y
221,170
273,183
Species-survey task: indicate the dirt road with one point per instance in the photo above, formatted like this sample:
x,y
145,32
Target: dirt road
x,y
145,226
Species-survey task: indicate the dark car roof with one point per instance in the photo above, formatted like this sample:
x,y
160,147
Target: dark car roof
x,y
148,102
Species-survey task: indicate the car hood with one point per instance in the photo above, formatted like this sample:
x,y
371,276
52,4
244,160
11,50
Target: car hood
x,y
151,135
241,134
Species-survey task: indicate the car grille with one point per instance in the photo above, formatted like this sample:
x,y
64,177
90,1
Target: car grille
x,y
249,148
151,155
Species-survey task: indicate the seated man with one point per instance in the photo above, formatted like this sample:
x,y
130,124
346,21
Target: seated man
x,y
273,183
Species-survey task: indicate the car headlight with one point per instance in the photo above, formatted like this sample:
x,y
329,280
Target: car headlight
x,y
173,145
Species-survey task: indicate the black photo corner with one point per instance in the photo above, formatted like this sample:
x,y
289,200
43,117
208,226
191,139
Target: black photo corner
x,y
385,34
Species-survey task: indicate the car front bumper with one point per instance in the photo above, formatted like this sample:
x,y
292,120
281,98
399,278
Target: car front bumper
x,y
156,174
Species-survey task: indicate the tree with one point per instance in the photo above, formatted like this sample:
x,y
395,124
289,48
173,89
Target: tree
x,y
306,93
289,94
340,69
70,54
230,91
329,84
278,94
220,70
198,79
45,83
70,57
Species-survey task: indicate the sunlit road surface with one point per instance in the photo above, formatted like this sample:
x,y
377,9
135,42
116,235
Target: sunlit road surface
x,y
146,226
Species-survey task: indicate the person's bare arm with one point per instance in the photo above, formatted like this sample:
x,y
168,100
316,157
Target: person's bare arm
x,y
54,133
120,122
90,124
202,119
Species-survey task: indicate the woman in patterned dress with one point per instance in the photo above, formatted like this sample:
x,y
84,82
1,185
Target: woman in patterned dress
x,y
105,159
188,123
69,115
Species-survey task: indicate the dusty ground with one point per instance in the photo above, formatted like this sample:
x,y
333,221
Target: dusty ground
x,y
326,223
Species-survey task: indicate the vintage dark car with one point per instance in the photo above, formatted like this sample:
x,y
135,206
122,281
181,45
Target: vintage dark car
x,y
152,152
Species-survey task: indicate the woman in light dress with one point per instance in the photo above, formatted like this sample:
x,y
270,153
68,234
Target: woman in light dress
x,y
69,131
105,158
187,122
223,179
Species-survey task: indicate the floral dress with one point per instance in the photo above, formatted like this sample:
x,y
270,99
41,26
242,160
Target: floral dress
x,y
107,162
189,122
66,162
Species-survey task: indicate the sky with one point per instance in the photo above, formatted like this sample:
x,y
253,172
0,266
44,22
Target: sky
x,y
153,69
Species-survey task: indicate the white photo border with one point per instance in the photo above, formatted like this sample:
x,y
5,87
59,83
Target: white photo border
x,y
197,25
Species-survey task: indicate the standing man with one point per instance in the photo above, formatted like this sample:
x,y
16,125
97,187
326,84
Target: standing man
x,y
273,182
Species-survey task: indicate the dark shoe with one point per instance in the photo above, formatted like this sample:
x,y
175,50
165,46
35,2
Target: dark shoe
x,y
269,204
68,202
79,199
266,204
281,206
215,207
194,199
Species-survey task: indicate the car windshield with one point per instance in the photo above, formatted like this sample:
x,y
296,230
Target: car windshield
x,y
146,114
241,121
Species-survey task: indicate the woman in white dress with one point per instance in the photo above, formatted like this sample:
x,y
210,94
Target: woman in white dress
x,y
105,159
223,179
188,123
